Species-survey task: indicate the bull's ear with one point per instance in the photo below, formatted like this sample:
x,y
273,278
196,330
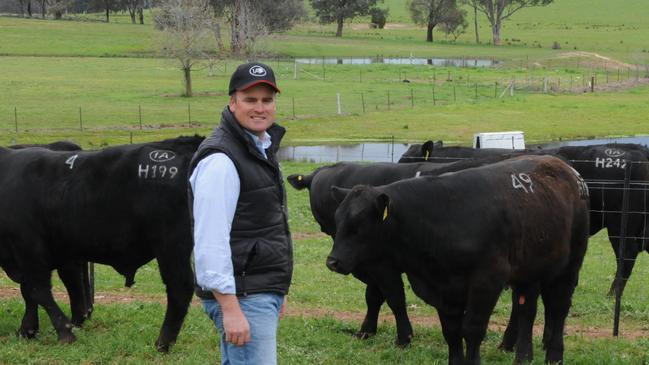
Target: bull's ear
x,y
427,149
438,144
297,181
384,206
339,194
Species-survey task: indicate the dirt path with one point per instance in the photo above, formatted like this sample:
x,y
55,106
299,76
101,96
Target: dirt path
x,y
496,324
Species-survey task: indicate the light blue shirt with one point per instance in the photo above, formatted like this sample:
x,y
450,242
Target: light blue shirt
x,y
215,185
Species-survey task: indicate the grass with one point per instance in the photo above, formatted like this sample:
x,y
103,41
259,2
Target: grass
x,y
123,332
107,96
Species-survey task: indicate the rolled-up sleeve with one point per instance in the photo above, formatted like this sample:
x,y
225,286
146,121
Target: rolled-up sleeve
x,y
215,186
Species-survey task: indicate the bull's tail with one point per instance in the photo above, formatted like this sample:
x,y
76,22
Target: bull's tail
x,y
299,181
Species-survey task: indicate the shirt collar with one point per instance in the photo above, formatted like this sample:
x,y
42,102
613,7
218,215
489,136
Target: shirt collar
x,y
262,142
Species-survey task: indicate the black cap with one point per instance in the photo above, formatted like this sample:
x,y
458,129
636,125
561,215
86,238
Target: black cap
x,y
251,74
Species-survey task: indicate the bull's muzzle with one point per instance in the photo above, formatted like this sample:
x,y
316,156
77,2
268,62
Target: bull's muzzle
x,y
334,265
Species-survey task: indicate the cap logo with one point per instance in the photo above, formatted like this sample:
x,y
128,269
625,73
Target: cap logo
x,y
257,71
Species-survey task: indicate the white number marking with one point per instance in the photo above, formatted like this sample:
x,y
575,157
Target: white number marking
x,y
522,181
607,163
156,171
70,161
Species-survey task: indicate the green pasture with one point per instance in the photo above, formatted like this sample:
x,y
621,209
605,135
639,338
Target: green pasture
x,y
324,309
108,101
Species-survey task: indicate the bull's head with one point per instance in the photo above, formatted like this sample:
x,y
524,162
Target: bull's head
x,y
360,217
420,152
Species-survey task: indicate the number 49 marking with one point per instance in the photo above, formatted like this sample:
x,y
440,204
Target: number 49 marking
x,y
522,181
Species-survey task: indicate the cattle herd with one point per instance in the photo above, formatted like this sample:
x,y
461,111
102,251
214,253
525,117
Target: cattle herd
x,y
463,225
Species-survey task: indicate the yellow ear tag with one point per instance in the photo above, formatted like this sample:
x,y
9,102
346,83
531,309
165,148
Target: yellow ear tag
x,y
426,157
385,213
299,178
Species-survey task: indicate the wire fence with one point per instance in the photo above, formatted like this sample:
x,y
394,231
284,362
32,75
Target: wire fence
x,y
347,87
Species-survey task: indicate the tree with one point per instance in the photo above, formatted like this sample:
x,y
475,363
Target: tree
x,y
252,19
499,10
431,13
474,5
379,17
186,28
455,23
330,11
134,7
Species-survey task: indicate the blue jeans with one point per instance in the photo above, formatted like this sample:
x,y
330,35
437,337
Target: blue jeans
x,y
262,312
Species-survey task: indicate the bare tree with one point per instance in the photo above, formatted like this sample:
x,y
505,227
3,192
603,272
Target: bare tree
x,y
431,13
186,29
499,10
330,11
246,27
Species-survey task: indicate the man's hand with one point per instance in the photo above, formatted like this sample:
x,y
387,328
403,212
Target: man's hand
x,y
235,324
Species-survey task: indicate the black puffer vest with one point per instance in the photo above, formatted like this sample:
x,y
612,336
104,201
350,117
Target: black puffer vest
x,y
262,252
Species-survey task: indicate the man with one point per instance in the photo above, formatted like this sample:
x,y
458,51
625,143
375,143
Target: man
x,y
242,246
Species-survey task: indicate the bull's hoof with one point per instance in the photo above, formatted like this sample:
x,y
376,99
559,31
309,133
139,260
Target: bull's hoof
x,y
78,322
402,343
67,338
506,347
362,335
27,333
163,347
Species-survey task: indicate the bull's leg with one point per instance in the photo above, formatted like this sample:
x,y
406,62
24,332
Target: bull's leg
x,y
624,269
476,319
526,300
511,332
392,288
39,288
89,287
29,326
452,330
177,275
557,298
374,299
71,274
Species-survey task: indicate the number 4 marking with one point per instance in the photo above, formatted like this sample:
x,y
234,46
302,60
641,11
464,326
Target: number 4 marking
x,y
70,161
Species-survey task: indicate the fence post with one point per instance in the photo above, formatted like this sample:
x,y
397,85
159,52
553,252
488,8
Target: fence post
x,y
324,69
189,115
495,89
592,84
388,99
434,102
363,102
80,120
621,251
16,118
139,110
339,107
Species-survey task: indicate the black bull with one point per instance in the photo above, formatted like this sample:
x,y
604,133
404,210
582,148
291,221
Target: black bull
x,y
73,274
603,167
121,206
461,238
384,283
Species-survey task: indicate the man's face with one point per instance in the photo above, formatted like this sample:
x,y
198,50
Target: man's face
x,y
254,108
